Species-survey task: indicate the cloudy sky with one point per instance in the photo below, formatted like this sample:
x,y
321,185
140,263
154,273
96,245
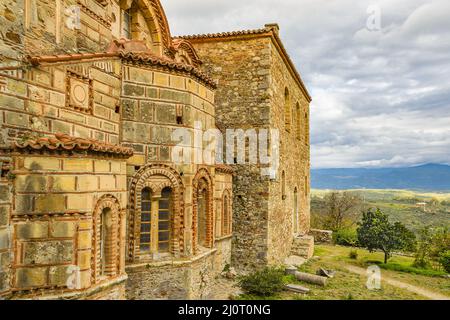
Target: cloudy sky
x,y
381,91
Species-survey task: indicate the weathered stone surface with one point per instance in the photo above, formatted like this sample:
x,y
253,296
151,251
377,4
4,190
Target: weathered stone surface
x,y
48,252
32,230
31,277
294,261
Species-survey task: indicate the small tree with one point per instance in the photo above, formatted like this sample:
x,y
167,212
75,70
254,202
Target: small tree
x,y
341,210
375,232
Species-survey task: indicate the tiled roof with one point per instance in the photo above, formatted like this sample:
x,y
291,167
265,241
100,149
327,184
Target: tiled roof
x,y
64,142
225,34
128,50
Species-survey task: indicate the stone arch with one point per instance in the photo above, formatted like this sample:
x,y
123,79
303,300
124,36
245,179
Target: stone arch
x,y
227,213
112,243
156,22
203,181
186,53
287,109
156,177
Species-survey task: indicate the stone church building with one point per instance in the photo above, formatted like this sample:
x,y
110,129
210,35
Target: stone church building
x,y
93,204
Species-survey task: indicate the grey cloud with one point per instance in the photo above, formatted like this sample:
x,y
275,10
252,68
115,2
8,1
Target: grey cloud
x,y
380,98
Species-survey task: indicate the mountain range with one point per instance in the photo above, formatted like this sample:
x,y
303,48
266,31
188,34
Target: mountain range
x,y
428,177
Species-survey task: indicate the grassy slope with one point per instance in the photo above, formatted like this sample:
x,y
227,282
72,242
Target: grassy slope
x,y
390,202
349,286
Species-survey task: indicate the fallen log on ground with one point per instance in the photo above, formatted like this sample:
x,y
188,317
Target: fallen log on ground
x,y
310,278
296,288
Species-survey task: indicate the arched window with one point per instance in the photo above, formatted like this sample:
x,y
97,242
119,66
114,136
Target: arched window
x,y
283,185
146,220
298,121
105,239
287,110
226,215
202,217
306,128
156,221
126,23
203,210
164,220
295,212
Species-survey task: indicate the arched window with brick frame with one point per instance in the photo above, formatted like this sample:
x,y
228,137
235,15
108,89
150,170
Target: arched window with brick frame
x,y
298,121
156,217
287,110
226,213
202,203
106,239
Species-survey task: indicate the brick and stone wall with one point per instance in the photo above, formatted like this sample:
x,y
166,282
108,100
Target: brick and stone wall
x,y
52,218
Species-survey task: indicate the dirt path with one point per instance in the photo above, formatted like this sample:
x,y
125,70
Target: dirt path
x,y
399,284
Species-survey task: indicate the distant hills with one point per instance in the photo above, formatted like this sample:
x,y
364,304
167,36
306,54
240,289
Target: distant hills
x,y
428,177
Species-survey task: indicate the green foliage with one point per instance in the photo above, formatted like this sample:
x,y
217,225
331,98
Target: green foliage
x,y
410,269
444,259
346,237
353,255
431,245
264,283
375,232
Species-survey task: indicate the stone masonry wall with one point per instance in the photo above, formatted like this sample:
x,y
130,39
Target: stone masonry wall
x,y
192,279
5,230
80,100
294,160
242,70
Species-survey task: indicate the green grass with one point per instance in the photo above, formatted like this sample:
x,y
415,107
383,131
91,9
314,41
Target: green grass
x,y
398,267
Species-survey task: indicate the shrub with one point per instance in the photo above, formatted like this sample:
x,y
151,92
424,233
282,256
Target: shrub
x,y
353,254
264,283
444,259
346,237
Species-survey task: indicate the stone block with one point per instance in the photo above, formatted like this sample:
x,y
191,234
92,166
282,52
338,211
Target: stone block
x,y
133,90
48,203
11,102
101,166
32,230
47,252
61,127
84,259
59,275
4,215
62,229
72,116
84,239
5,193
4,238
63,183
116,167
45,164
17,119
140,75
107,183
31,183
87,183
78,165
136,160
24,204
79,202
31,277
161,79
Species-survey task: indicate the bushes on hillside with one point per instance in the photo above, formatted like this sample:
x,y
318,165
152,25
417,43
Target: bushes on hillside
x,y
346,237
444,259
263,283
